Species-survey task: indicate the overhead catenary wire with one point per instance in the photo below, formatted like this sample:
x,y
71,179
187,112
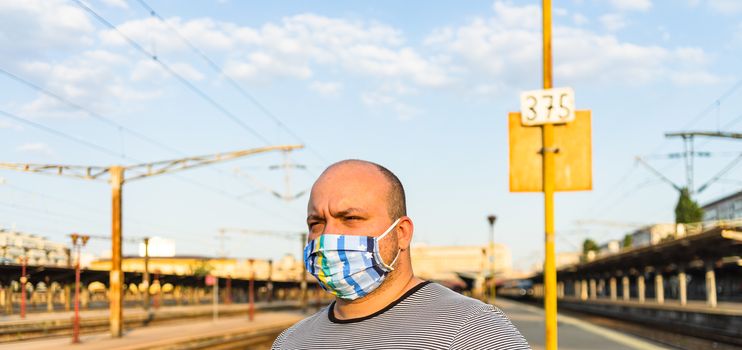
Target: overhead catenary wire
x,y
63,135
87,208
734,162
219,70
705,111
96,116
595,205
178,77
203,95
115,154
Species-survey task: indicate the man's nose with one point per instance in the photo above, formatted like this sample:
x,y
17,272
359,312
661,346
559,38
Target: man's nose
x,y
332,226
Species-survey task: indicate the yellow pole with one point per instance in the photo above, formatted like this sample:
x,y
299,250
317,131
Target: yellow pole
x,y
550,302
493,287
303,285
116,276
145,275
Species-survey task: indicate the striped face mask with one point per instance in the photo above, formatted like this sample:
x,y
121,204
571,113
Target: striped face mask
x,y
348,266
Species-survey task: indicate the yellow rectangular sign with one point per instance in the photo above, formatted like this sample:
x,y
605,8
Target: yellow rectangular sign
x,y
573,160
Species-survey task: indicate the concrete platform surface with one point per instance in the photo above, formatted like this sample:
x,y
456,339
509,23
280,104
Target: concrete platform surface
x,y
165,335
135,311
573,333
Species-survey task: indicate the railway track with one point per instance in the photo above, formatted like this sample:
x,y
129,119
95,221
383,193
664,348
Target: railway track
x,y
21,331
662,336
652,331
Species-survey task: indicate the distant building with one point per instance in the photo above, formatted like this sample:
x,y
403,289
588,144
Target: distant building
x,y
564,259
287,268
159,246
651,235
726,208
447,263
561,260
38,250
610,247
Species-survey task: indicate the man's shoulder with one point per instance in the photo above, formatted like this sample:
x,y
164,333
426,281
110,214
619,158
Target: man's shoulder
x,y
440,296
305,325
476,319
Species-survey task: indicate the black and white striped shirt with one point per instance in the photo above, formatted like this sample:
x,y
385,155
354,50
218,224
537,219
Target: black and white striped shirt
x,y
429,316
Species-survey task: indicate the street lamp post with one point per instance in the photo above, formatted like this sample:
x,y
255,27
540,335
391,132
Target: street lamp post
x,y
145,277
491,219
24,280
251,292
117,181
77,247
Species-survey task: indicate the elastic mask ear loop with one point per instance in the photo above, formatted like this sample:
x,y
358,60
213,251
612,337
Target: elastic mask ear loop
x,y
388,230
390,266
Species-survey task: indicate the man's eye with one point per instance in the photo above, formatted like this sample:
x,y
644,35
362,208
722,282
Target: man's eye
x,y
353,218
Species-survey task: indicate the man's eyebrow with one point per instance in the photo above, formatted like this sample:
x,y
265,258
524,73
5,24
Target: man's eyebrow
x,y
348,211
313,217
342,213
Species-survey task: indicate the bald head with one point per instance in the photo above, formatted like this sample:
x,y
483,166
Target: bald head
x,y
372,177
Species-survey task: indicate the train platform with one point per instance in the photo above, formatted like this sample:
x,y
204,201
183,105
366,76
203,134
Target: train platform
x,y
193,335
574,334
34,317
695,306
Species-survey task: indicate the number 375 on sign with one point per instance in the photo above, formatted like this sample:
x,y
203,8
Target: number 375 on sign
x,y
551,106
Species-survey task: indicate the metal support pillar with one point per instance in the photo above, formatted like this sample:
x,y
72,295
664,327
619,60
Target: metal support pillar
x,y
682,286
659,288
116,275
710,285
626,288
613,287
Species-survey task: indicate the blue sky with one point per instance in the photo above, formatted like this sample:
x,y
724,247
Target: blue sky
x,y
422,88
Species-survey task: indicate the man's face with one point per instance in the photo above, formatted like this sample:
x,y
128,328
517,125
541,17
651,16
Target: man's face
x,y
349,198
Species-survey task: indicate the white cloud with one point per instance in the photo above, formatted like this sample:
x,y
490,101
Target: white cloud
x,y
387,97
117,3
737,40
488,89
93,78
632,5
262,66
691,56
486,50
36,148
159,38
664,33
727,7
4,124
613,21
296,47
377,99
579,19
504,47
148,70
528,16
326,88
695,78
34,28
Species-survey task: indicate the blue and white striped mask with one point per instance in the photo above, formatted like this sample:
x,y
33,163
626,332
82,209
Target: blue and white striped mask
x,y
348,266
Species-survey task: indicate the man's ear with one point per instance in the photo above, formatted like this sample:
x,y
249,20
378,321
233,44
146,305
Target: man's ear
x,y
404,232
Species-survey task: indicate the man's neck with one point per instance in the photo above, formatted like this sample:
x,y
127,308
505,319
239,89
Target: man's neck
x,y
345,310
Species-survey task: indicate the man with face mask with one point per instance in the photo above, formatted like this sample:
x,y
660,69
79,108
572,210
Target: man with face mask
x,y
359,250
